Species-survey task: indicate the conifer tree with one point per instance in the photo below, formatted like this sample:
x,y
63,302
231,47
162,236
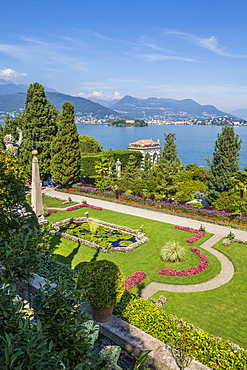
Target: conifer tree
x,y
224,165
167,167
39,118
10,125
66,155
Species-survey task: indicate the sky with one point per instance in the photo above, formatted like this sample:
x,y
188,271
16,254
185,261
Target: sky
x,y
180,49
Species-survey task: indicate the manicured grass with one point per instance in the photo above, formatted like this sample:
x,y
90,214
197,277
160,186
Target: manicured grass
x,y
53,203
222,311
144,258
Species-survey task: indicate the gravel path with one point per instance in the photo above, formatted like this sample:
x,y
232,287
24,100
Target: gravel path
x,y
227,269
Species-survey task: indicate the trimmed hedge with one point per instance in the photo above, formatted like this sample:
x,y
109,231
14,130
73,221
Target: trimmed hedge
x,y
88,163
123,156
201,346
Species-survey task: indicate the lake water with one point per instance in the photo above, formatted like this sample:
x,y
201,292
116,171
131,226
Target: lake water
x,y
194,143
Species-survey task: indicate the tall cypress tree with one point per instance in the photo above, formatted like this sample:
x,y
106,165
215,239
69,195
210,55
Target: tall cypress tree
x,y
224,165
66,155
167,167
39,118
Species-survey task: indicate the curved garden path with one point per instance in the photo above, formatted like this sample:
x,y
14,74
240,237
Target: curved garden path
x,y
227,269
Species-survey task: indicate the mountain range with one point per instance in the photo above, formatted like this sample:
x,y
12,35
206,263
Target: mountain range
x,y
12,98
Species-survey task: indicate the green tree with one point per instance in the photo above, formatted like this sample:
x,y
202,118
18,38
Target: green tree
x,y
102,167
240,182
66,155
1,138
147,167
167,167
11,124
39,118
89,145
224,165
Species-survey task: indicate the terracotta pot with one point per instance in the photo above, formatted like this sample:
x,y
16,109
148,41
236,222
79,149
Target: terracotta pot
x,y
102,314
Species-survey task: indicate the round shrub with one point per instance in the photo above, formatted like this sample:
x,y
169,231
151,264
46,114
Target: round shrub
x,y
103,282
172,252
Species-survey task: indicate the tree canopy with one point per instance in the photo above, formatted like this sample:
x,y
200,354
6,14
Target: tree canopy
x,y
89,144
224,165
39,118
66,155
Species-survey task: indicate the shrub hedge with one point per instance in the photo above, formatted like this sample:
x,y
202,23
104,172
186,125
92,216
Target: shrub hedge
x,y
201,346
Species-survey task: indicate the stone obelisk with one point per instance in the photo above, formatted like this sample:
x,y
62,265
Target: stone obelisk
x,y
36,195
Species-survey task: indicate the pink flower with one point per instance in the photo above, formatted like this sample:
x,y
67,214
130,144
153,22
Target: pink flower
x,y
135,279
192,271
78,206
195,237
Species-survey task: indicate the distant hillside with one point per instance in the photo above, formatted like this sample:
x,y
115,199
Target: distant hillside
x,y
165,109
8,87
15,102
105,103
241,113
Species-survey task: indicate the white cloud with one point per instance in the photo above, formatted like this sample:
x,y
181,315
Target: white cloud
x,y
210,43
8,73
116,95
96,94
100,95
154,57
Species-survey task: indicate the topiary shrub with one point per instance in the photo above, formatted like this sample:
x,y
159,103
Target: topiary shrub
x,y
103,282
172,252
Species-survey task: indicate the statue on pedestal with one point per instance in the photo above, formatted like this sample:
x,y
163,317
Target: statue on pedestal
x,y
9,140
118,168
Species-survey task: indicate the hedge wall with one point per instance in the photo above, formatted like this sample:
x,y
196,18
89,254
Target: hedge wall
x,y
88,163
123,156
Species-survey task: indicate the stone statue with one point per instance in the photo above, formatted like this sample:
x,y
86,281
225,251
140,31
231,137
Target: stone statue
x,y
118,167
12,147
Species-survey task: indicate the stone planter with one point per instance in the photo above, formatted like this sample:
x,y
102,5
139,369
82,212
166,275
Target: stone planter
x,y
102,314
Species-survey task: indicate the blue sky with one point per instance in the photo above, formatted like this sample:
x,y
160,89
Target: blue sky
x,y
144,48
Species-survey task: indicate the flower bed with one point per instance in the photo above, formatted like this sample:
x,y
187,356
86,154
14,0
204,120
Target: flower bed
x,y
168,206
192,271
52,211
135,279
198,234
78,206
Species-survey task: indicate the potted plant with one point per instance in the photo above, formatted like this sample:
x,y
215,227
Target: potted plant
x,y
104,285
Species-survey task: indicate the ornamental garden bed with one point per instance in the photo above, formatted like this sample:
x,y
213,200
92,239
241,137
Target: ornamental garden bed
x,y
103,236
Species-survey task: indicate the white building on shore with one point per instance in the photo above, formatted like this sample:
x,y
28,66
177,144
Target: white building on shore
x,y
147,146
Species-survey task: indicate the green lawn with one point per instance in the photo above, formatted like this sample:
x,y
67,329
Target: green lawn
x,y
144,258
221,311
53,203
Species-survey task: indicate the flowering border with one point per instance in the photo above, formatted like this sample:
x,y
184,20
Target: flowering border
x,y
198,234
192,271
135,279
174,206
78,206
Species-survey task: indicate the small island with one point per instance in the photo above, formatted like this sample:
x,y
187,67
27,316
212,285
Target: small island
x,y
128,123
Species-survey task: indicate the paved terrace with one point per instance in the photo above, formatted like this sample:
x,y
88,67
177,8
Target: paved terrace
x,y
218,231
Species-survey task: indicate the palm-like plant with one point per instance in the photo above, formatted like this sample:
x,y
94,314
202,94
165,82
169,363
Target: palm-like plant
x,y
102,167
240,180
